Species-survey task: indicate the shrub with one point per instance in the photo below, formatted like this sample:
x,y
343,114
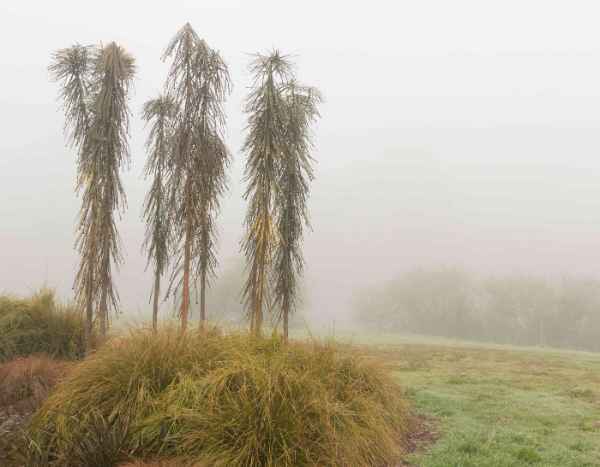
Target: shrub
x,y
24,385
39,325
26,382
221,400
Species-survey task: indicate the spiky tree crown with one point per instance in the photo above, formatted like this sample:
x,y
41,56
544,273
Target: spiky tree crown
x,y
266,111
95,83
198,82
293,186
159,114
277,173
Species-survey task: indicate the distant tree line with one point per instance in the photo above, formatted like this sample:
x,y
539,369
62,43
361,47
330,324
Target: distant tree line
x,y
187,163
516,310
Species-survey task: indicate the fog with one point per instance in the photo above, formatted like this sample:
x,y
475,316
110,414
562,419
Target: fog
x,y
460,134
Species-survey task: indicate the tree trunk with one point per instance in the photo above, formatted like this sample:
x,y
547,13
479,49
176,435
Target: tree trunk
x,y
103,311
286,314
155,304
185,300
89,292
253,320
258,319
89,315
203,301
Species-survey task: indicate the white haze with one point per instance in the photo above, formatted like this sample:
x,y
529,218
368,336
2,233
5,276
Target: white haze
x,y
460,133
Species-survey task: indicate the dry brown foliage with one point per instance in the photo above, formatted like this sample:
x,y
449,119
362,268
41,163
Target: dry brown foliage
x,y
162,463
25,382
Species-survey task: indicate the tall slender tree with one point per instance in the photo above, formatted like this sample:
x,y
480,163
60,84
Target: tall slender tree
x,y
71,68
267,109
294,174
159,114
94,87
198,82
215,160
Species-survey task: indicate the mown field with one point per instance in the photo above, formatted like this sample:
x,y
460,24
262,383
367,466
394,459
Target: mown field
x,y
498,406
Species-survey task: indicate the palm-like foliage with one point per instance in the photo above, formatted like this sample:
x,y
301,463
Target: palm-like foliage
x,y
278,172
294,174
198,82
264,144
71,67
95,83
215,162
159,113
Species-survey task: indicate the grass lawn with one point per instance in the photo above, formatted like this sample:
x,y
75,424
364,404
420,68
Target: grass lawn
x,y
500,406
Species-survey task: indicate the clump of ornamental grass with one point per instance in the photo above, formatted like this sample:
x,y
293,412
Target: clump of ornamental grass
x,y
39,324
215,399
163,463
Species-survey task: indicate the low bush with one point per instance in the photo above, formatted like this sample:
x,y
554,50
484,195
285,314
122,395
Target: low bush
x,y
26,382
220,400
38,325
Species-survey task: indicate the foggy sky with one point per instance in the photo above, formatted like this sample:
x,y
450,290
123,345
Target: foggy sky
x,y
459,133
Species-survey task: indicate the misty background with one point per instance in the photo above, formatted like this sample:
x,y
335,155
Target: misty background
x,y
462,134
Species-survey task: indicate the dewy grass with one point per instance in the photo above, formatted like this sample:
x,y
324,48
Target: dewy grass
x,y
221,400
39,324
500,407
